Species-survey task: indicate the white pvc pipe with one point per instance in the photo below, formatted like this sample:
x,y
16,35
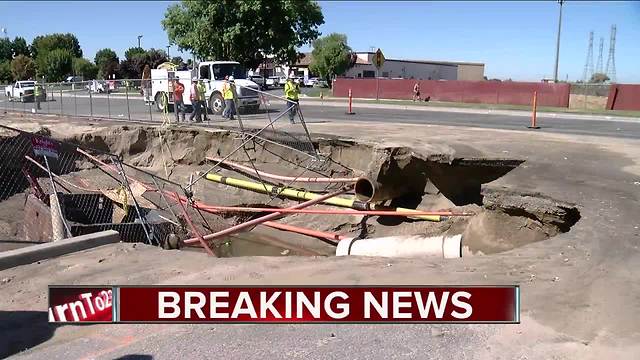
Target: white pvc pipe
x,y
448,247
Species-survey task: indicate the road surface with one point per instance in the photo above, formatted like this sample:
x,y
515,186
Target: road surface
x,y
117,107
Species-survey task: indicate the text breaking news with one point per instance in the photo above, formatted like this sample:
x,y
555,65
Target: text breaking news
x,y
301,304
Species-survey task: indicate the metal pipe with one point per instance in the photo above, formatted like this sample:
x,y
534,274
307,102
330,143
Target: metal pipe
x,y
262,219
281,177
126,93
195,230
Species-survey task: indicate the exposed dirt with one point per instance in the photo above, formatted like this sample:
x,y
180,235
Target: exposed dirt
x,y
432,178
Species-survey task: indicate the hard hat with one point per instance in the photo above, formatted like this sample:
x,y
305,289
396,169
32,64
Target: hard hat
x,y
231,78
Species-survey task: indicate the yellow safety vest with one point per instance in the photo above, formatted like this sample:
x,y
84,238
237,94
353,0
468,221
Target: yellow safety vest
x,y
227,91
201,90
291,90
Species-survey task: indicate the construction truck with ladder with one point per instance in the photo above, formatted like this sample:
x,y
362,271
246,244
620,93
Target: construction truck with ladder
x,y
212,73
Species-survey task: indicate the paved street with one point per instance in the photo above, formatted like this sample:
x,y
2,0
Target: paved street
x,y
117,107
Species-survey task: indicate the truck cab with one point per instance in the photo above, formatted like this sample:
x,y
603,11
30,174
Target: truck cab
x,y
21,90
213,73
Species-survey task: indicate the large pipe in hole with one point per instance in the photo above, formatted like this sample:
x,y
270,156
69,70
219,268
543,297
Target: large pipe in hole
x,y
448,247
369,190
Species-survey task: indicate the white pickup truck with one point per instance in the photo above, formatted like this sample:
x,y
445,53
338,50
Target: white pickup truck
x,y
212,74
21,91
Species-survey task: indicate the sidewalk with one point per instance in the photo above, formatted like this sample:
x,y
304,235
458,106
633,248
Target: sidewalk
x,y
371,104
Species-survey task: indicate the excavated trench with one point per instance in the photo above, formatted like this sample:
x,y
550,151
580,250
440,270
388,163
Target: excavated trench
x,y
431,178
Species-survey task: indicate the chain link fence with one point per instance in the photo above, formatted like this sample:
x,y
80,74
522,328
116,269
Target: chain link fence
x,y
123,100
51,190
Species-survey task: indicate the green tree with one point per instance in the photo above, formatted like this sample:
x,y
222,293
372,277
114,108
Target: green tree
x,y
55,65
19,47
598,78
5,50
5,72
107,62
155,57
23,67
134,52
331,56
45,43
243,30
85,68
135,61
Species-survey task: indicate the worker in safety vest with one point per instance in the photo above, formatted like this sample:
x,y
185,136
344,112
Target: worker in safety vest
x,y
37,94
291,92
202,94
195,98
229,95
178,102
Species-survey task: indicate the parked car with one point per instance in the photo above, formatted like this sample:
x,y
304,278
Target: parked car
x,y
72,79
96,86
282,80
271,81
310,82
321,84
260,81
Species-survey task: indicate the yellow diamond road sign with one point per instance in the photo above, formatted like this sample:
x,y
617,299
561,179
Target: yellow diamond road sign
x,y
378,59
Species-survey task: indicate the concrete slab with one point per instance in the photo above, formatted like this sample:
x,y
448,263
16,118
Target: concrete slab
x,y
31,254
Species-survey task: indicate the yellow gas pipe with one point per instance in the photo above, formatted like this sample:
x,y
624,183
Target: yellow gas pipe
x,y
306,195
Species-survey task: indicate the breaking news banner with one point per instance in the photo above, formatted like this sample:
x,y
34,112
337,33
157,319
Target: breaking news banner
x,y
301,304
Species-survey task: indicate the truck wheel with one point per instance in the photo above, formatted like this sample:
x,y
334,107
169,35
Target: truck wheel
x,y
216,104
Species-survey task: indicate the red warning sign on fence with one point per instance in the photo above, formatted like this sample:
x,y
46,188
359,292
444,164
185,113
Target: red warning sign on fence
x,y
44,147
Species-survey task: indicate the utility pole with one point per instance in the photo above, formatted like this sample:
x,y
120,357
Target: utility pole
x,y
168,56
555,70
139,37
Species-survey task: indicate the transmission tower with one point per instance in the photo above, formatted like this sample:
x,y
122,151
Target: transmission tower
x,y
588,66
611,61
599,63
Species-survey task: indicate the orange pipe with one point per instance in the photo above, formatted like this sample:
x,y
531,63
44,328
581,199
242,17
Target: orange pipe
x,y
281,177
264,218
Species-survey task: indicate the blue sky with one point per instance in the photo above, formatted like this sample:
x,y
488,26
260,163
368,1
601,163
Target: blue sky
x,y
514,39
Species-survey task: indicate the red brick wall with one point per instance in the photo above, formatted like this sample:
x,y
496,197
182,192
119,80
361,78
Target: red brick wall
x,y
485,92
624,97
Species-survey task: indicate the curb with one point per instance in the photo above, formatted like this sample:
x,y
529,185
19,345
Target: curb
x,y
31,254
367,104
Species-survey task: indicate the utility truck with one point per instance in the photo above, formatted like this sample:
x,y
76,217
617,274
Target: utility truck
x,y
212,73
22,91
